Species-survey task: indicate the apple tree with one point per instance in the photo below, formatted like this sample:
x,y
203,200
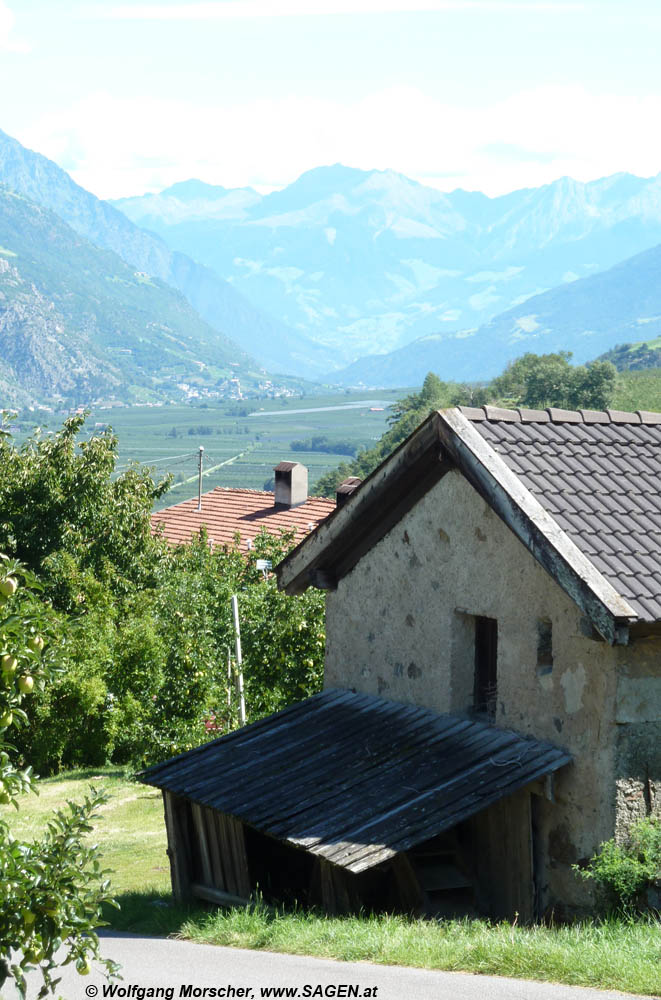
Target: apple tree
x,y
52,887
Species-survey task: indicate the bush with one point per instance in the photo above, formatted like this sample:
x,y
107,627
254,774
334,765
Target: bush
x,y
623,872
53,888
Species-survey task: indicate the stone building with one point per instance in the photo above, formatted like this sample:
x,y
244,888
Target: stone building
x,y
492,708
507,565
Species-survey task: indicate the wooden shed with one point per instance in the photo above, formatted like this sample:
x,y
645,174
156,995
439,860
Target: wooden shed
x,y
348,800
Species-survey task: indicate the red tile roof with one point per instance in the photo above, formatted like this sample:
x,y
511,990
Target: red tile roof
x,y
226,511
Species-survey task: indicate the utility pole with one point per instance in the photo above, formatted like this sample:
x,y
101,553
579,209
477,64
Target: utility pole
x,y
239,659
199,478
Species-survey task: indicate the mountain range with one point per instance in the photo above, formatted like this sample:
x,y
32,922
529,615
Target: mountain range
x,y
353,276
218,303
367,262
589,317
78,323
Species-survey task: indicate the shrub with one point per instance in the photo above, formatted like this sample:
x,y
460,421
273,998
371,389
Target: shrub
x,y
52,888
622,872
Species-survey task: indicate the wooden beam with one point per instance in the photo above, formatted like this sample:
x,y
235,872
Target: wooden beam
x,y
202,843
217,896
178,849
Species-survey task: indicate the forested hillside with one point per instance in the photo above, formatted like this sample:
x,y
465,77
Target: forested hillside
x,y
78,323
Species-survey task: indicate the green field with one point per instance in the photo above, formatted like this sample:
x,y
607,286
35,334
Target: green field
x,y
242,440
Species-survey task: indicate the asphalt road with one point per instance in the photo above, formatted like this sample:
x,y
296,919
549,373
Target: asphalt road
x,y
174,966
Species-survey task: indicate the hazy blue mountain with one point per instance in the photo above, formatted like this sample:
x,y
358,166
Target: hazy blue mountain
x,y
366,262
621,305
218,302
77,322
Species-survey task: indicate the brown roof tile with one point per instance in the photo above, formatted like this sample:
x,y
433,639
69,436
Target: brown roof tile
x,y
227,511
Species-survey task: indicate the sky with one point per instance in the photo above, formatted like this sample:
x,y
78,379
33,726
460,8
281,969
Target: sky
x,y
488,95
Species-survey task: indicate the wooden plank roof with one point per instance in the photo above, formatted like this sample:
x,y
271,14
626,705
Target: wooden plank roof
x,y
354,778
227,512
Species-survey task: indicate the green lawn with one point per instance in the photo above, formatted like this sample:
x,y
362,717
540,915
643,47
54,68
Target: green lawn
x,y
617,954
130,830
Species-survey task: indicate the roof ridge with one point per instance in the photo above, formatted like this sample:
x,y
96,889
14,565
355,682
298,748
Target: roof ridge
x,y
238,490
555,415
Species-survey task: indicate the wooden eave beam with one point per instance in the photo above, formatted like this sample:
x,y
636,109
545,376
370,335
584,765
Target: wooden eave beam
x,y
335,547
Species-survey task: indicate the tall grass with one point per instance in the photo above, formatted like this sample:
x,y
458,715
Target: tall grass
x,y
614,954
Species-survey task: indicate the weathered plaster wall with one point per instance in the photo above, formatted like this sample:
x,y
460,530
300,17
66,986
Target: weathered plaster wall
x,y
638,717
400,625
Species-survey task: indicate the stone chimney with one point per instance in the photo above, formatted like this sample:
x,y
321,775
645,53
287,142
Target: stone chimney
x,y
345,489
291,484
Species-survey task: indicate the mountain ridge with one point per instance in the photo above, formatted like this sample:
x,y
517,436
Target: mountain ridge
x,y
365,262
219,304
77,322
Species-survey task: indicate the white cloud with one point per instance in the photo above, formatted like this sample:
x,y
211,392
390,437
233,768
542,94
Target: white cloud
x,y
310,8
119,146
8,41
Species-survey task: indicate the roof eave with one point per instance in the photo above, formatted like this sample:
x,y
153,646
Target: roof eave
x,y
446,440
383,498
502,489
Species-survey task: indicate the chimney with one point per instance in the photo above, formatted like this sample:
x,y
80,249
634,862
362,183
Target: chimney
x,y
291,484
345,489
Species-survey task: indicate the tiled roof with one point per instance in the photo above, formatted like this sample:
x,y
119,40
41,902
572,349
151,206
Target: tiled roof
x,y
598,474
226,511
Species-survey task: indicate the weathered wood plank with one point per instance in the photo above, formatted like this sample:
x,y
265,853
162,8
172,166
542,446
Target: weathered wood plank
x,y
214,849
217,896
360,774
385,797
202,843
231,884
418,824
411,893
178,849
294,744
334,895
239,855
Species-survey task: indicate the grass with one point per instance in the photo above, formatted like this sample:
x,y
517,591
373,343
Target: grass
x,y
615,954
130,830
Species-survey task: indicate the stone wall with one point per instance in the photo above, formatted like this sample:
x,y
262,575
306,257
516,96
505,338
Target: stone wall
x,y
638,718
401,625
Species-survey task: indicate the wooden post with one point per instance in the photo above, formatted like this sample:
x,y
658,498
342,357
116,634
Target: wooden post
x,y
409,890
334,892
178,849
239,659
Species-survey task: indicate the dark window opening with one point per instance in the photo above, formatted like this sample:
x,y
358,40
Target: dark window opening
x,y
486,659
544,646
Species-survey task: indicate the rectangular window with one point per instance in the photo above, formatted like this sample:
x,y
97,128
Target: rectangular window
x,y
486,660
544,646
